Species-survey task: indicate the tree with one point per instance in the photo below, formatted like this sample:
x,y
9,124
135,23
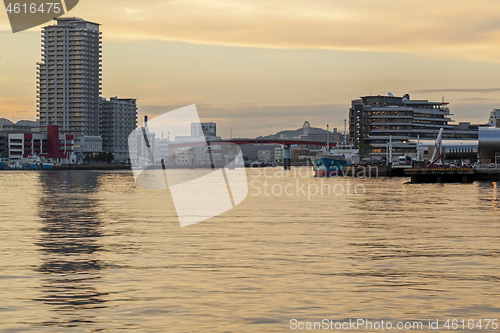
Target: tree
x,y
109,157
365,149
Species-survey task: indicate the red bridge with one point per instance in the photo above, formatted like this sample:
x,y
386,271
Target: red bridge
x,y
243,141
287,143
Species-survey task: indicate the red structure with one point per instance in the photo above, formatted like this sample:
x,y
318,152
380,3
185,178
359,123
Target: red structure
x,y
50,145
53,142
237,141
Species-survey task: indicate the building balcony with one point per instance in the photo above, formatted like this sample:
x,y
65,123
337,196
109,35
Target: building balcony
x,y
387,137
388,124
388,116
432,126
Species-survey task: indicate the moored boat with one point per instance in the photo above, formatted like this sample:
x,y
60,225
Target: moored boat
x,y
332,162
27,163
47,166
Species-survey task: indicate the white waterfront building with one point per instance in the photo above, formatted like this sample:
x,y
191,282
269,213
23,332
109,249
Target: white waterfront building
x,y
204,129
494,117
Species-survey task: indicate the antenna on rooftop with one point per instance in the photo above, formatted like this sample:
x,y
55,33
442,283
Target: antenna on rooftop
x,y
327,139
345,132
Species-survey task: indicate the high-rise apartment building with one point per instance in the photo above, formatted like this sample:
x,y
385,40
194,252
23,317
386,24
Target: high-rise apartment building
x,y
69,77
118,118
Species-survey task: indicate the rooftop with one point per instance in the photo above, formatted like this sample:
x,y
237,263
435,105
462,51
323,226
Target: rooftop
x,y
65,20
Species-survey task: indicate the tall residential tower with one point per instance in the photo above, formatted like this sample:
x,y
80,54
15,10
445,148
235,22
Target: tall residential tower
x,y
69,77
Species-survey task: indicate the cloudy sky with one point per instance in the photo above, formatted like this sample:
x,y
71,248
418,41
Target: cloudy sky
x,y
258,66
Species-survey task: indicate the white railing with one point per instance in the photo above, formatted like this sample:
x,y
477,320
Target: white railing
x,y
490,166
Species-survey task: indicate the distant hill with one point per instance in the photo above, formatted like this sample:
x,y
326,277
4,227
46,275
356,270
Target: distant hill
x,y
293,133
27,123
4,121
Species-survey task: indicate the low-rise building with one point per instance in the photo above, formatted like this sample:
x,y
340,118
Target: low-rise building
x,y
251,151
182,157
162,150
204,129
299,153
495,118
4,145
87,145
7,127
326,136
51,145
264,155
278,154
141,152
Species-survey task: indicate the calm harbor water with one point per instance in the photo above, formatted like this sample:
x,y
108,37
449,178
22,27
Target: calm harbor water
x,y
88,251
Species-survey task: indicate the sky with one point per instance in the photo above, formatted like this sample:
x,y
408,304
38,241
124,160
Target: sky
x,y
260,66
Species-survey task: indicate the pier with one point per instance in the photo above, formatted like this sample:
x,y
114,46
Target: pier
x,y
374,171
92,167
488,173
441,175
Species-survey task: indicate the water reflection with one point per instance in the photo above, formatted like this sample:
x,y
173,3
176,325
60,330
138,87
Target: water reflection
x,y
69,244
110,256
489,194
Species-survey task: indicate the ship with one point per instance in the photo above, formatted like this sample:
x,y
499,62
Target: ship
x,y
27,163
331,162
